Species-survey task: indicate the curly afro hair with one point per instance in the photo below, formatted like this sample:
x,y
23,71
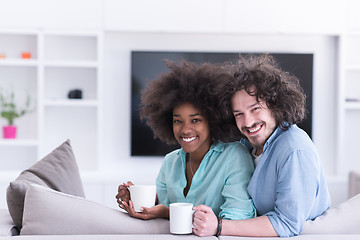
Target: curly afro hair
x,y
186,82
279,89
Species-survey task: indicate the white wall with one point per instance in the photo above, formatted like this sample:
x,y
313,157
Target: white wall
x,y
56,14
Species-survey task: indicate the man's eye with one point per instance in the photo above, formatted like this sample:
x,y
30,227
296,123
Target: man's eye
x,y
238,114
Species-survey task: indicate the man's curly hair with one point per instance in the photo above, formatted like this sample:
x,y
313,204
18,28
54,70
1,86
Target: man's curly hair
x,y
186,82
279,89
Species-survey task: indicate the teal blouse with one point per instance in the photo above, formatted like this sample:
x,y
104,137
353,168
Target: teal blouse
x,y
220,182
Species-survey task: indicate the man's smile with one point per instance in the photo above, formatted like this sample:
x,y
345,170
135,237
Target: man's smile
x,y
252,130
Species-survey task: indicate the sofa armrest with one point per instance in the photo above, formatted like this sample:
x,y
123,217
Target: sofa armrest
x,y
354,184
7,226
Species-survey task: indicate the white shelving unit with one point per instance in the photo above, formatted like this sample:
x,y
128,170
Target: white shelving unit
x,y
60,61
349,93
351,109
20,76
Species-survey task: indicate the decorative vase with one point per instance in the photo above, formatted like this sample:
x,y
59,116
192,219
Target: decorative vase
x,y
9,131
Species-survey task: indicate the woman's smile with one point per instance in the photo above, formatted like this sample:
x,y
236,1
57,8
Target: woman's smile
x,y
188,139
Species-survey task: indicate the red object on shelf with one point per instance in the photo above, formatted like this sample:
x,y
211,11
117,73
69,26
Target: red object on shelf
x,y
26,55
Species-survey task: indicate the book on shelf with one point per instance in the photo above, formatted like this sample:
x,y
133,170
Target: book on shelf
x,y
352,99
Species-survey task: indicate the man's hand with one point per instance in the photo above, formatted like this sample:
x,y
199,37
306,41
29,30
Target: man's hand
x,y
205,221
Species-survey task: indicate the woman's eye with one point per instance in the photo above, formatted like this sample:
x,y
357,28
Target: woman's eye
x,y
177,121
196,120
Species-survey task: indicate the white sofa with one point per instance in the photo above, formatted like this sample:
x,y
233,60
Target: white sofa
x,y
7,228
47,202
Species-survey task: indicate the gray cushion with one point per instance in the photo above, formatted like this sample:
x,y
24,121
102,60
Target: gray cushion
x,y
343,219
354,184
49,212
58,170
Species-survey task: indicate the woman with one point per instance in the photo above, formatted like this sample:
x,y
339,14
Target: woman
x,y
180,108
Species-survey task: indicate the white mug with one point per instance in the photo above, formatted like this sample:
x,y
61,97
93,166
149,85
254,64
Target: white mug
x,y
181,218
142,196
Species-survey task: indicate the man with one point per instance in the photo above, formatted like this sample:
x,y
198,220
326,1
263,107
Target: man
x,y
288,186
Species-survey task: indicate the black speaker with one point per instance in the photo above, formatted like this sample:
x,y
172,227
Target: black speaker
x,y
75,94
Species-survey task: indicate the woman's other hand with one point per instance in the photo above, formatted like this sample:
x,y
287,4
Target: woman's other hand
x,y
205,221
123,194
158,211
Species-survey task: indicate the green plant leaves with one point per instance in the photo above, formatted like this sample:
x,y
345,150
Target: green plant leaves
x,y
8,108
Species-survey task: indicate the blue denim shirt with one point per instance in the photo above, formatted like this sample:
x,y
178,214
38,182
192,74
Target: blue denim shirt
x,y
288,184
220,182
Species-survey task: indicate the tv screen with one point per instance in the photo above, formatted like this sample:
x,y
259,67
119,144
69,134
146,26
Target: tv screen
x,y
148,65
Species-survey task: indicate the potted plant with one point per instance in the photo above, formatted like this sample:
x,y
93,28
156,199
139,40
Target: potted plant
x,y
10,112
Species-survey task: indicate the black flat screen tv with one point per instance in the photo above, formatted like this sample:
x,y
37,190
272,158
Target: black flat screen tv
x,y
148,65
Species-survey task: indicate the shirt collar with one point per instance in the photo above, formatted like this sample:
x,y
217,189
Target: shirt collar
x,y
218,147
272,137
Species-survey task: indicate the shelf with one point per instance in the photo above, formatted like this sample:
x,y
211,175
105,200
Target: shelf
x,y
18,62
72,64
19,142
71,103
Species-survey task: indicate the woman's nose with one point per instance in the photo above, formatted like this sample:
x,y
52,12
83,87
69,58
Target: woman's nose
x,y
186,128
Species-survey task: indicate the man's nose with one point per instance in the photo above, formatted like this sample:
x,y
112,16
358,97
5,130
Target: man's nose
x,y
248,120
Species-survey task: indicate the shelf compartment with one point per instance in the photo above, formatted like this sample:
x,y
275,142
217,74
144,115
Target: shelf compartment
x,y
18,77
352,105
27,128
350,161
65,47
60,80
22,81
13,45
